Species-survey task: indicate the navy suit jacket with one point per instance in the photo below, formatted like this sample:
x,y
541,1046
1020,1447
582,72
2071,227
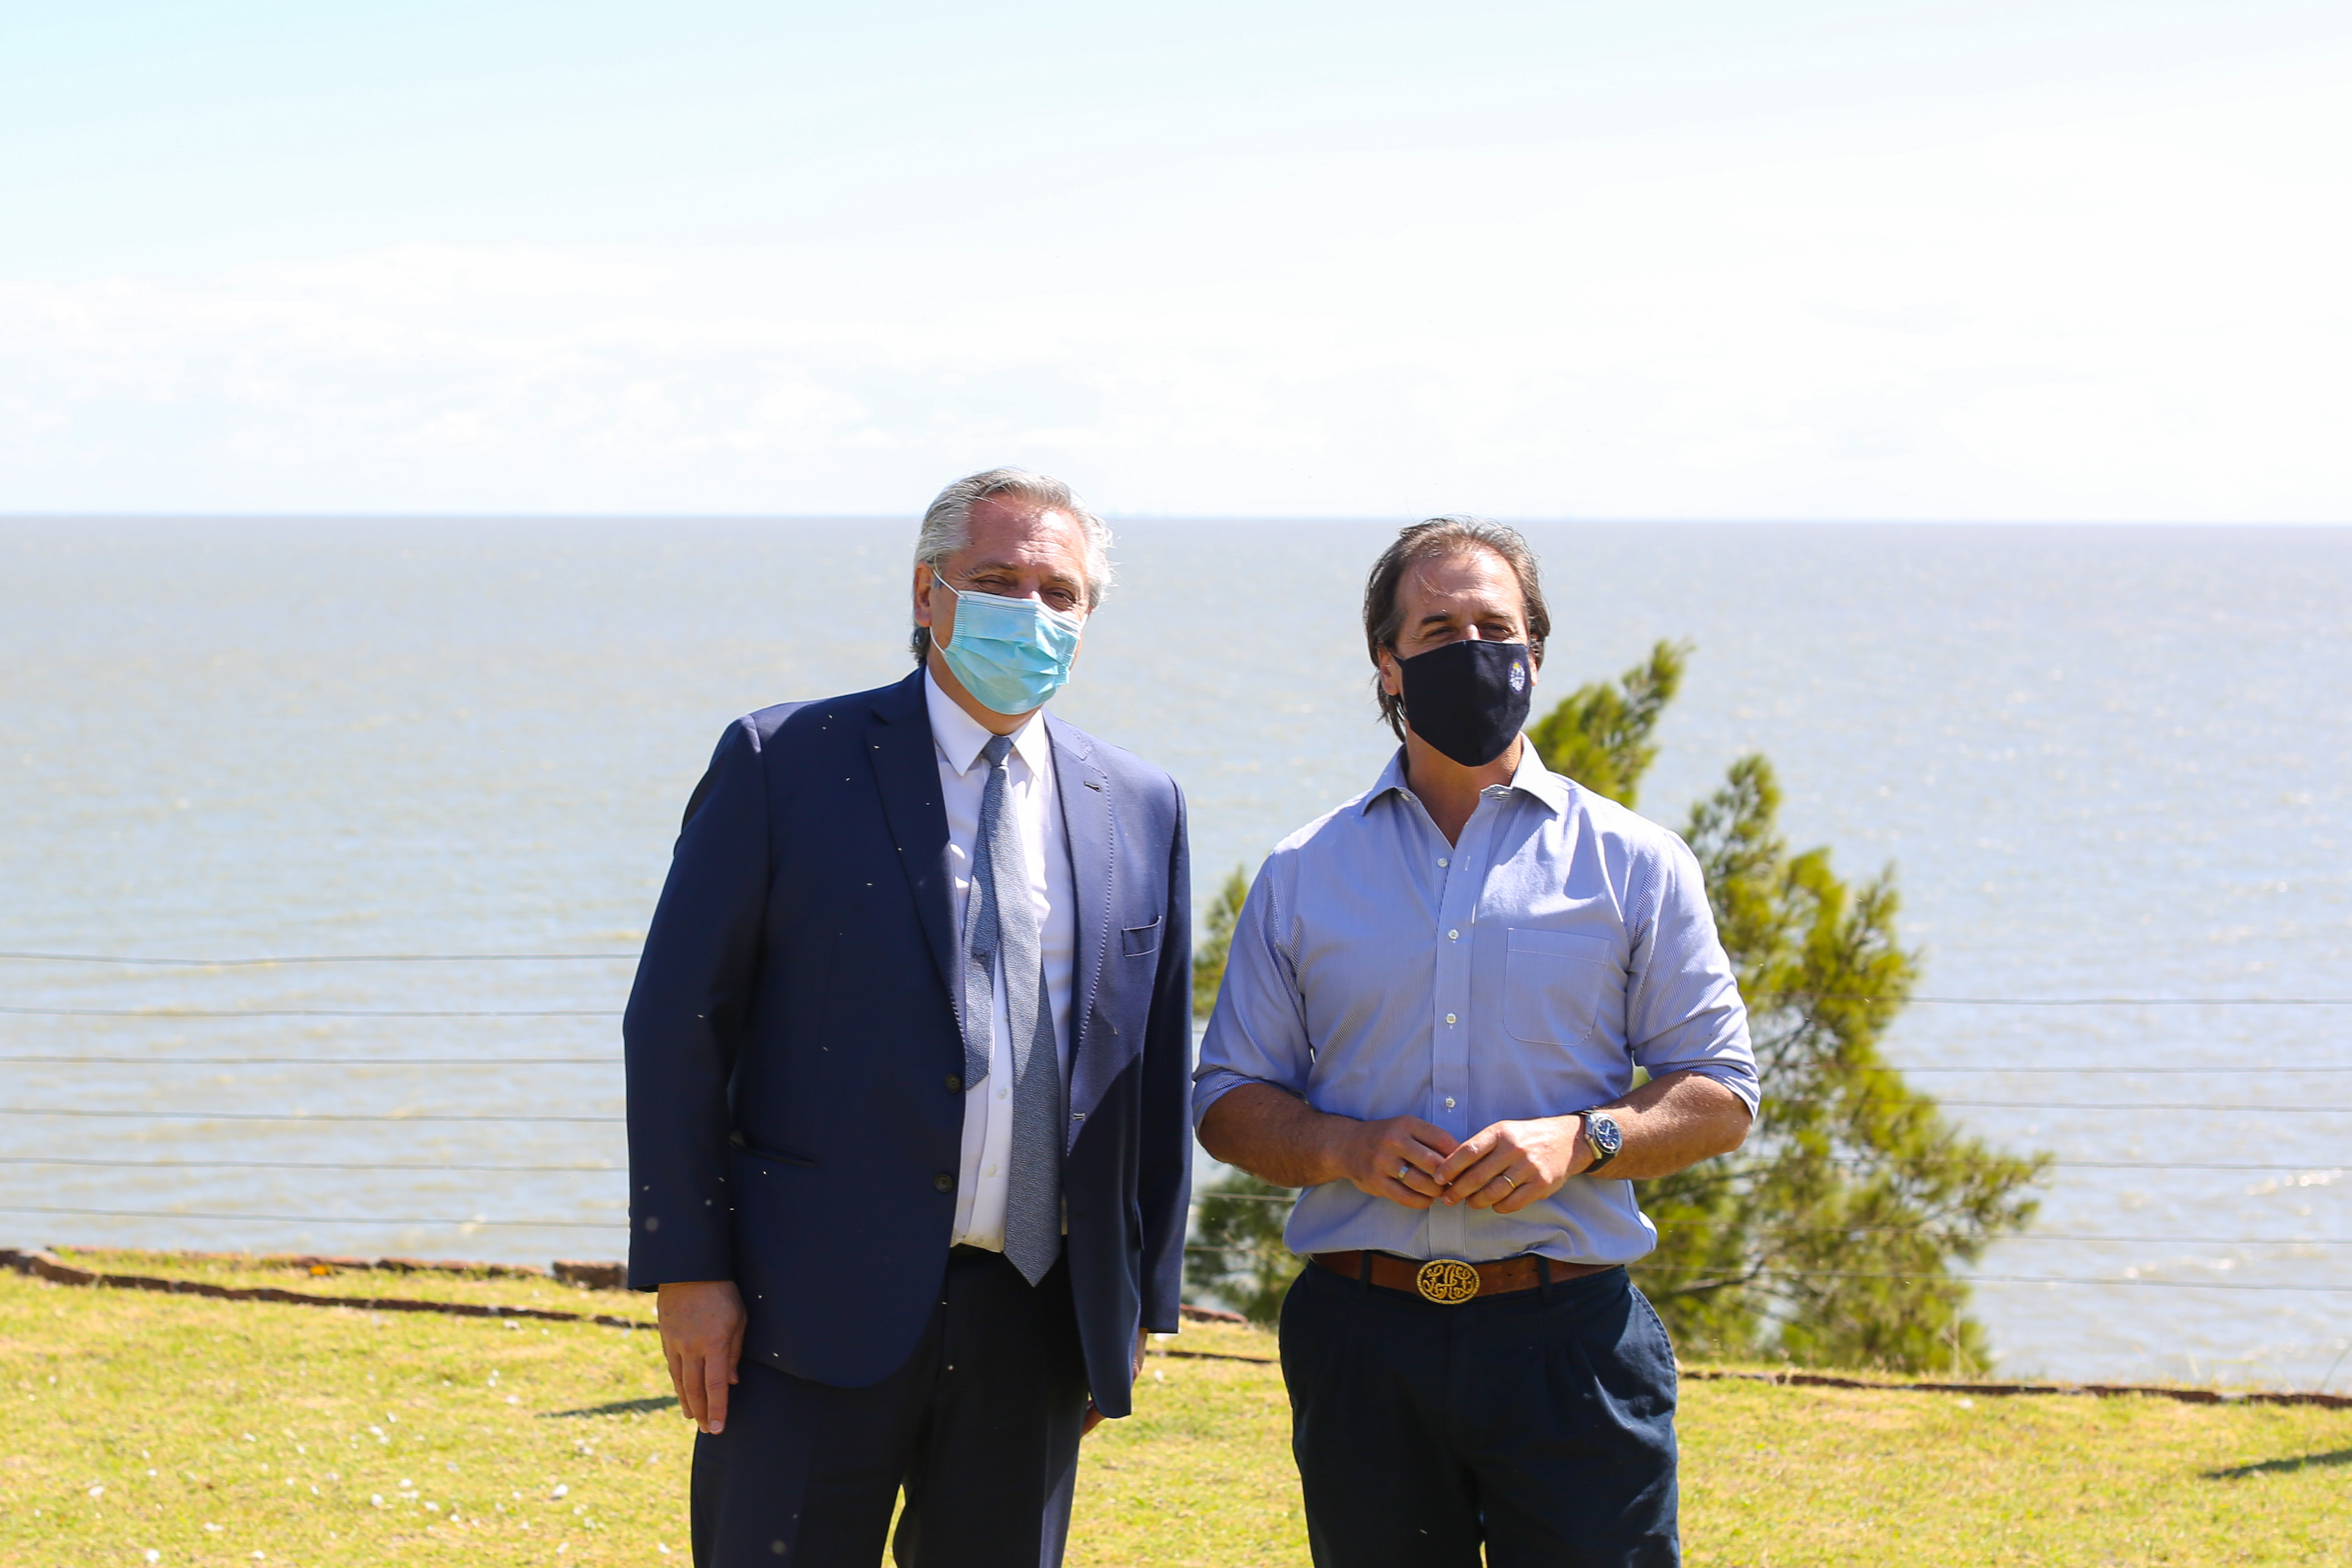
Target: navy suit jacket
x,y
795,1117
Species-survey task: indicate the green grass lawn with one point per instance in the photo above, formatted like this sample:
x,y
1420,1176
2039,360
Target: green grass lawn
x,y
207,1432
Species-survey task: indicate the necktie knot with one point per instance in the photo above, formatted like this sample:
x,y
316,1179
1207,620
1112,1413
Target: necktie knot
x,y
999,747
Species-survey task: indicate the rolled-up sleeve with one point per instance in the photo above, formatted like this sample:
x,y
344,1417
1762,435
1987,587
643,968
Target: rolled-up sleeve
x,y
1683,1009
1257,1031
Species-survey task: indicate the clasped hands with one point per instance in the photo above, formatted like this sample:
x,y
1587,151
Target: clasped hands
x,y
1505,1167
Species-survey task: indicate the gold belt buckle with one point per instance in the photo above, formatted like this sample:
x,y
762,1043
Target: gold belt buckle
x,y
1448,1281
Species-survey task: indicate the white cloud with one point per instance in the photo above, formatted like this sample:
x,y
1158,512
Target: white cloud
x,y
2135,317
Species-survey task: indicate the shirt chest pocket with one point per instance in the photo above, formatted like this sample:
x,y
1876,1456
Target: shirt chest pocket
x,y
1555,983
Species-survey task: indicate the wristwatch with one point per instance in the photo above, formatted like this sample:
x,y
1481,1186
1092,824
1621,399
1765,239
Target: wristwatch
x,y
1606,1140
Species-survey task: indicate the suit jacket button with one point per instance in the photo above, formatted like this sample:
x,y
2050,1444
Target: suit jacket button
x,y
944,1181
955,1083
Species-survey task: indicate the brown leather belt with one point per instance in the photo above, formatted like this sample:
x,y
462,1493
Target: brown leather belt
x,y
1449,1281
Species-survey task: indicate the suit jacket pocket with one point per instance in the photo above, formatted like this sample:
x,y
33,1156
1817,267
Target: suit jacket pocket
x,y
1554,985
774,1196
1139,941
762,1152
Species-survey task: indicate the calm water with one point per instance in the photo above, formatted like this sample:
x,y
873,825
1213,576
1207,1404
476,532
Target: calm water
x,y
2106,762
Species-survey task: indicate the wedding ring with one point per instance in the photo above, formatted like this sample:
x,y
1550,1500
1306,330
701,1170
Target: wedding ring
x,y
1404,1170
1513,1184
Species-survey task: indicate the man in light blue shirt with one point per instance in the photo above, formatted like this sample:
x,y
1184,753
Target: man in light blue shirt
x,y
1435,1002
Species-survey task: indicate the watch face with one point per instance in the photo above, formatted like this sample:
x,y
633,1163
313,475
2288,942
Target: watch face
x,y
1604,1134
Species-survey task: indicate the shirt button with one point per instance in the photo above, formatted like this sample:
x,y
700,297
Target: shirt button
x,y
991,1170
943,1182
1449,1102
955,1084
1441,859
1449,1017
1454,936
1002,1093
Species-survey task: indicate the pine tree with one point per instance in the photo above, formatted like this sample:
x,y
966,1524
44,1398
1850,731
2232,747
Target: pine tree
x,y
1601,735
1235,1250
1216,940
1830,1237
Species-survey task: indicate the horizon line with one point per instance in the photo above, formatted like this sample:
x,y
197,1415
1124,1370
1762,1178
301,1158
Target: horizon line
x,y
1579,519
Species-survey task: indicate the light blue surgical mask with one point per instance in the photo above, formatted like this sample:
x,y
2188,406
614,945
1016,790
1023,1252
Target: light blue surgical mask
x,y
1011,654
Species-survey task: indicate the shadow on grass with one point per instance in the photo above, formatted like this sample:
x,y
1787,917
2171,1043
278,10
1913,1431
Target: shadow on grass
x,y
618,1407
2282,1466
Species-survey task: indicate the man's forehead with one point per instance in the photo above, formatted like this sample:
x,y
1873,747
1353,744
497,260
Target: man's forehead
x,y
1461,580
1020,535
1010,505
1016,519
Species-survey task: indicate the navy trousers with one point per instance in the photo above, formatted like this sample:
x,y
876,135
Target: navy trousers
x,y
1536,1425
981,1427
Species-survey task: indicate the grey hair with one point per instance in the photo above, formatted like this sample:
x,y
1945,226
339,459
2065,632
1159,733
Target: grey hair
x,y
946,528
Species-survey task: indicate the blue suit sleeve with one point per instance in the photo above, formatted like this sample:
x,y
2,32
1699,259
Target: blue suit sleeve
x,y
1164,1184
685,1021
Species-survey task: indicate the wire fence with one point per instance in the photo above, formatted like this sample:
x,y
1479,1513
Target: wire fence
x,y
293,1165
1238,1197
312,1012
324,958
298,1115
323,1218
611,1060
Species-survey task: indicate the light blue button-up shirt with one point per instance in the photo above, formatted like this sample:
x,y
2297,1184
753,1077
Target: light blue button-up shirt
x,y
1378,970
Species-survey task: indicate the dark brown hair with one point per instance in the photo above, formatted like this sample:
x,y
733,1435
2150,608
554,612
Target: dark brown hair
x,y
1430,540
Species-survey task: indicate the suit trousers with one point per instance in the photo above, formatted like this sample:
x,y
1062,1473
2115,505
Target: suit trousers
x,y
1536,1425
979,1427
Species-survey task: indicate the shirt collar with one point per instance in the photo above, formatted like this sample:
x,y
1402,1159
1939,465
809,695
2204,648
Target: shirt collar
x,y
1531,778
1391,778
960,738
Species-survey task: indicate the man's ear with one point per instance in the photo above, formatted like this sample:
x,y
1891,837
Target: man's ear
x,y
1392,677
922,592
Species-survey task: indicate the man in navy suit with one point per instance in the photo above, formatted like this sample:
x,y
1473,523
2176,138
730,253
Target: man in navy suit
x,y
909,1063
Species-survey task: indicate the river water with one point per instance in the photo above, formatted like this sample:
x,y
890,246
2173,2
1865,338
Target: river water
x,y
2104,763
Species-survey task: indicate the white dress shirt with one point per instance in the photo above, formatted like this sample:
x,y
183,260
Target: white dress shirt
x,y
1036,810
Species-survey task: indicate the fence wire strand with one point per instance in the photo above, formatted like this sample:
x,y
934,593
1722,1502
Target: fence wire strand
x,y
324,1218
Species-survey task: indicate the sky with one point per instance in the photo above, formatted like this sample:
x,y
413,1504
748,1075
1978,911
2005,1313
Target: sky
x,y
1788,258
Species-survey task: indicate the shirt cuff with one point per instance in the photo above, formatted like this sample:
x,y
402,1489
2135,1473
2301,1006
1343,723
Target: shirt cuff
x,y
1738,1081
1214,1084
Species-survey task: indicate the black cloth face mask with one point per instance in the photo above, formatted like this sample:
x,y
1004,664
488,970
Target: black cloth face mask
x,y
1469,698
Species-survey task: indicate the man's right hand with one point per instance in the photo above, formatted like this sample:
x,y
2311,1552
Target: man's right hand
x,y
702,1339
1279,1137
1392,1159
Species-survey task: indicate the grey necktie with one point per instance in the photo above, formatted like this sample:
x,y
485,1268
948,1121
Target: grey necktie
x,y
1001,925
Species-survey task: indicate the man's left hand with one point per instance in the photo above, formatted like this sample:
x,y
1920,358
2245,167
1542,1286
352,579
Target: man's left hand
x,y
1095,1417
1514,1163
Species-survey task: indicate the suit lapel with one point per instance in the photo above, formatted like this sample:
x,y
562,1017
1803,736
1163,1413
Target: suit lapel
x,y
1088,827
906,771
